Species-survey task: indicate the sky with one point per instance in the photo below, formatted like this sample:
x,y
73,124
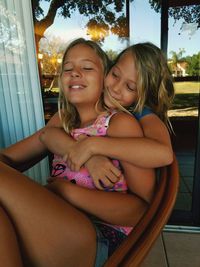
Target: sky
x,y
144,26
148,22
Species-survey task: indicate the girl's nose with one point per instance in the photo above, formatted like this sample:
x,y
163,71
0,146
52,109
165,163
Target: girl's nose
x,y
75,73
116,88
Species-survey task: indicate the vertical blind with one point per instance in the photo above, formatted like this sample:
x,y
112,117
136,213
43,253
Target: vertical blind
x,y
21,108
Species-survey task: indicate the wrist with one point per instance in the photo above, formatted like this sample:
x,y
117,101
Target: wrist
x,y
72,193
93,145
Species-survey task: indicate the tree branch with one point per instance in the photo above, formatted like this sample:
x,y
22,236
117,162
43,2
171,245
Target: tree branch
x,y
47,21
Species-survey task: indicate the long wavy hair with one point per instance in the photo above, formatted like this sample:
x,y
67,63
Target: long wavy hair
x,y
68,114
154,83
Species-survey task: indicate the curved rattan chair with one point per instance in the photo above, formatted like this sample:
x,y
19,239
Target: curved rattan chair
x,y
136,246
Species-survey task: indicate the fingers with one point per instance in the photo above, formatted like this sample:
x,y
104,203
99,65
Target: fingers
x,y
106,181
73,165
103,183
103,172
98,184
113,177
116,172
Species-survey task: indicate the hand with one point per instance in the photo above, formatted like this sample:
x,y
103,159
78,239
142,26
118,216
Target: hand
x,y
103,172
78,153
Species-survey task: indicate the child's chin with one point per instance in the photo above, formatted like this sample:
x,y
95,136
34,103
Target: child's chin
x,y
109,104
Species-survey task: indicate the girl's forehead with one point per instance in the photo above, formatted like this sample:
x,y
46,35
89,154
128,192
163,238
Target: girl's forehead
x,y
83,51
126,60
126,56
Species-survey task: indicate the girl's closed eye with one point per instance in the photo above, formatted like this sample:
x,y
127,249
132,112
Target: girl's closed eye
x,y
88,68
114,74
132,87
67,69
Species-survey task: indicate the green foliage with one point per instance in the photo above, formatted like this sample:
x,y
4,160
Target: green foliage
x,y
189,14
193,62
193,68
111,54
104,15
108,14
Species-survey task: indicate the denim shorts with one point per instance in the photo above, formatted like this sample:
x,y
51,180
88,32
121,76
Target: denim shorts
x,y
108,239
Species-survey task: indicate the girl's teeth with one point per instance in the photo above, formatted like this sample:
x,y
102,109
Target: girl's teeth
x,y
76,87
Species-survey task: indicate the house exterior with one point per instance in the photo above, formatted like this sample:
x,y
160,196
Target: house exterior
x,y
178,69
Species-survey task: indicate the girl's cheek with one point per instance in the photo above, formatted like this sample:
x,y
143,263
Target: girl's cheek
x,y
108,80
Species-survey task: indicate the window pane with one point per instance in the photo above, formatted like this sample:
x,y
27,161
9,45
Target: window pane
x,y
107,24
144,23
21,110
184,60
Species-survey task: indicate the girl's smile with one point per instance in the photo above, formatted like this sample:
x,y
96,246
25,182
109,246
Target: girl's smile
x,y
76,86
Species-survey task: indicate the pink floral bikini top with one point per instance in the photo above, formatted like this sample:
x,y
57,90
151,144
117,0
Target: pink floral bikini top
x,y
82,177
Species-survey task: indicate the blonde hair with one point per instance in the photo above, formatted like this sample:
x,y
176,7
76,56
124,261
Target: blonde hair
x,y
155,83
67,112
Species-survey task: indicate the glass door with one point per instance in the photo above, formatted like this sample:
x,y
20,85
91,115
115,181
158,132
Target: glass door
x,y
177,31
184,60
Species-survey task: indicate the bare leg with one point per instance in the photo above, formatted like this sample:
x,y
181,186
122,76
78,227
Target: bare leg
x,y
52,232
9,249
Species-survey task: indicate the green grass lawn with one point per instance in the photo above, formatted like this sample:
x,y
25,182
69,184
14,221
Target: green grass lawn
x,y
187,87
186,95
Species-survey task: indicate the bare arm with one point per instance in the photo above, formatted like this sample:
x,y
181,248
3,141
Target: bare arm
x,y
27,152
141,181
155,130
24,153
112,207
137,151
56,140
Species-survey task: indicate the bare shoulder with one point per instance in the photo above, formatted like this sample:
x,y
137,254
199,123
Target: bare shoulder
x,y
153,120
55,121
124,125
152,125
154,128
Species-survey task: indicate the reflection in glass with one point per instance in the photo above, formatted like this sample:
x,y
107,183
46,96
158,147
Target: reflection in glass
x,y
184,60
11,33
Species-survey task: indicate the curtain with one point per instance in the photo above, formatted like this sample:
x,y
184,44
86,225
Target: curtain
x,y
21,107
